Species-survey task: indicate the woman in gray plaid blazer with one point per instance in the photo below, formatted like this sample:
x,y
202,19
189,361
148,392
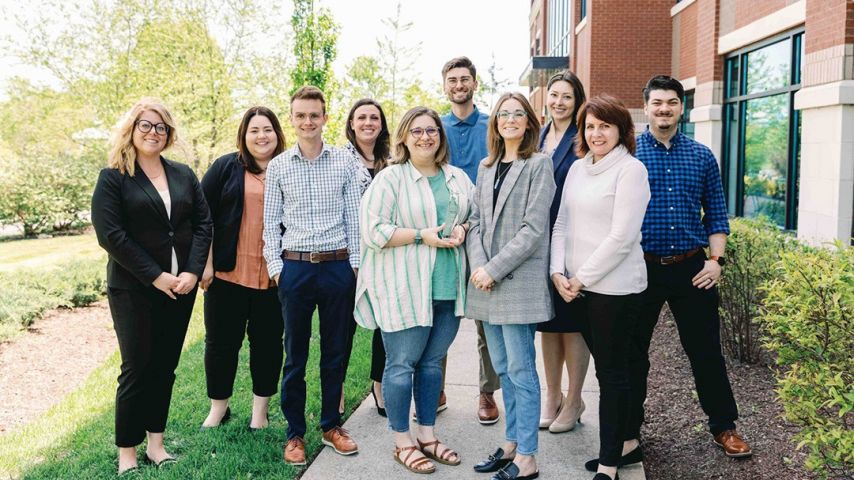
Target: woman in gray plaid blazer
x,y
508,249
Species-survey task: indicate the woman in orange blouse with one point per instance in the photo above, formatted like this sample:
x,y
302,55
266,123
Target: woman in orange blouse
x,y
240,298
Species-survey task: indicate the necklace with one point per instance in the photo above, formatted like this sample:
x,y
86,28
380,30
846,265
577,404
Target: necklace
x,y
500,174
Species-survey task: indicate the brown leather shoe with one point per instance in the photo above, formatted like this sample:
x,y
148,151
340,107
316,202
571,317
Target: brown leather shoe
x,y
732,444
443,402
294,453
340,441
487,411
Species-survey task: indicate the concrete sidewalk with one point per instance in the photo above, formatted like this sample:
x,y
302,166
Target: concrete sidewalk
x,y
560,456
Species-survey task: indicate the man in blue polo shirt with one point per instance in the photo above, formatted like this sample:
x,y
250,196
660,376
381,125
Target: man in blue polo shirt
x,y
686,214
466,130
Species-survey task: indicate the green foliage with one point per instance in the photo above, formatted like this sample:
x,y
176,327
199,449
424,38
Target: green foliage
x,y
29,293
808,314
753,247
315,38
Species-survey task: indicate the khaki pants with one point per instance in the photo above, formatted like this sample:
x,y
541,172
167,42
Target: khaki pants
x,y
488,379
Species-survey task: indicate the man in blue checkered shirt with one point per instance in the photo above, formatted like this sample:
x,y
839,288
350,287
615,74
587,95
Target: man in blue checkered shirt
x,y
686,214
311,245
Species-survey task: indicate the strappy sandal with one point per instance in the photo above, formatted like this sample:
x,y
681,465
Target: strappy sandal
x,y
444,458
415,464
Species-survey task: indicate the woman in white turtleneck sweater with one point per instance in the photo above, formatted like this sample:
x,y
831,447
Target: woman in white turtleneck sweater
x,y
596,257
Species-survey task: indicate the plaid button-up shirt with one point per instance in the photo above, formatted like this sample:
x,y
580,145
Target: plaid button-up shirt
x,y
317,202
687,203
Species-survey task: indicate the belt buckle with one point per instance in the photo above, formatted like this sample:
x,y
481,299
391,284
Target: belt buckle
x,y
668,260
314,257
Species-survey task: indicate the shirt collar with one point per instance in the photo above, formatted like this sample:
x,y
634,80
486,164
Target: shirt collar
x,y
295,152
416,175
470,120
650,138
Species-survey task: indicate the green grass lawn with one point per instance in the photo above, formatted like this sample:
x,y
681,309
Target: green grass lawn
x,y
46,252
74,440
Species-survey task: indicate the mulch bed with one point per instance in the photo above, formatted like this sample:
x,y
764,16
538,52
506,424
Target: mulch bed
x,y
677,444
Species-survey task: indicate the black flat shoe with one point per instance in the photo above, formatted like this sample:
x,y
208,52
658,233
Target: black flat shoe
x,y
380,410
604,476
225,417
511,472
161,463
493,463
634,456
254,430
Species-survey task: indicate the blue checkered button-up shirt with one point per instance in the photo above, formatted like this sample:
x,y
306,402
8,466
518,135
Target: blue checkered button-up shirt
x,y
683,180
317,201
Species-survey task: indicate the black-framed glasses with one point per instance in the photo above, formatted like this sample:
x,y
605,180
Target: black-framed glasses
x,y
417,132
145,126
505,115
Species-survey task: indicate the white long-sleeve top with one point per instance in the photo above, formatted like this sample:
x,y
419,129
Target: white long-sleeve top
x,y
597,234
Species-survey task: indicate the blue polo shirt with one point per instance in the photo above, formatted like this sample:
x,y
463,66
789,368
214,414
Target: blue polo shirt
x,y
467,140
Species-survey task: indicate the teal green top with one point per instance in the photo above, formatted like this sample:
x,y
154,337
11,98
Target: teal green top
x,y
445,269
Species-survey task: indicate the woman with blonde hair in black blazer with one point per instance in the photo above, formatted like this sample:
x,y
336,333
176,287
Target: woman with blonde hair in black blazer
x,y
151,217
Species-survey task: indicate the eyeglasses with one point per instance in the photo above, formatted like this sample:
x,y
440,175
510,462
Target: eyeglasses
x,y
145,126
464,81
313,116
417,132
505,115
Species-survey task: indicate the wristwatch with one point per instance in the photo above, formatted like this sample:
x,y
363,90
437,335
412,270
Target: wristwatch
x,y
418,237
718,258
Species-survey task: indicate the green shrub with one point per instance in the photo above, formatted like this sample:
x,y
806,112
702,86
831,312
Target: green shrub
x,y
29,293
753,247
808,315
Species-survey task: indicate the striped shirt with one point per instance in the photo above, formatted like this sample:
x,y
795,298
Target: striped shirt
x,y
317,203
394,288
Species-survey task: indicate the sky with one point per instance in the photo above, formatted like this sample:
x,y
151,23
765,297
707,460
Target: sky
x,y
478,29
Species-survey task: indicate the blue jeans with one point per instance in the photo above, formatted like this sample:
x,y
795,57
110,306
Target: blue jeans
x,y
515,362
413,365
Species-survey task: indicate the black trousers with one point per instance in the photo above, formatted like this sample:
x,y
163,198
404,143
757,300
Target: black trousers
x,y
605,321
329,287
232,311
377,353
150,328
696,313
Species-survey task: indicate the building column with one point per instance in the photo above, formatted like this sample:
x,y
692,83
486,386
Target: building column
x,y
707,117
826,197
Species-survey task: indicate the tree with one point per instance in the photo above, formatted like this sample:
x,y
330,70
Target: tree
x,y
396,61
315,45
493,85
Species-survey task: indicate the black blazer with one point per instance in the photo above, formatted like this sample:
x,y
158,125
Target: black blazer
x,y
562,158
223,185
131,224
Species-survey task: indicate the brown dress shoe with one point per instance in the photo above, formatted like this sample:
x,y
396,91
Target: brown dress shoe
x,y
487,411
294,453
732,444
340,441
443,402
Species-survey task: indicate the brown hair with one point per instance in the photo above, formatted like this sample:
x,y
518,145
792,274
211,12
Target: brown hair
x,y
243,155
401,151
309,92
122,154
494,140
610,110
381,148
577,88
459,62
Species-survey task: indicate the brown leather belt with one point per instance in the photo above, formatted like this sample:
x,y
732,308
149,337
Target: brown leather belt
x,y
670,259
317,257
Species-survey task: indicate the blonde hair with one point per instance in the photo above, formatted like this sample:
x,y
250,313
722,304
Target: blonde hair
x,y
401,152
122,154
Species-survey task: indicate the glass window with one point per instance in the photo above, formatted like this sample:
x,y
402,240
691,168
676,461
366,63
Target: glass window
x,y
762,130
685,124
769,68
583,10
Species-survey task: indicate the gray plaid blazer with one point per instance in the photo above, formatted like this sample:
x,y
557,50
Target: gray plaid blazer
x,y
512,243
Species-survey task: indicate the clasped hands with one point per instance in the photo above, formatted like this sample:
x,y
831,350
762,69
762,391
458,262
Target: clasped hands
x,y
481,279
430,237
172,285
568,288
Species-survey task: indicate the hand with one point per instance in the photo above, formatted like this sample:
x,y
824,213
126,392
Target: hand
x,y
481,280
707,277
166,282
356,272
275,279
575,285
430,237
207,277
458,235
186,282
562,286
